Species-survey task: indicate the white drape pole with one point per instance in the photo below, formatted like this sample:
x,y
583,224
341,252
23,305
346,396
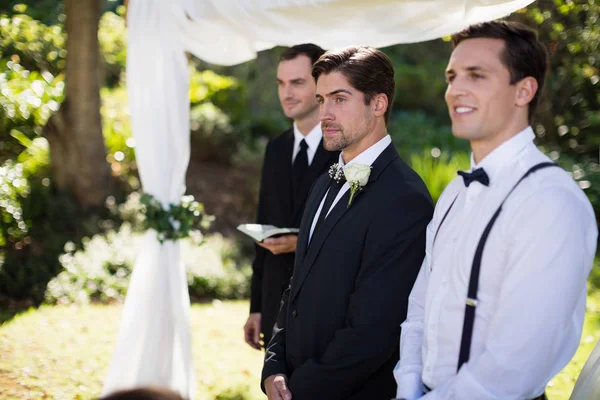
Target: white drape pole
x,y
153,345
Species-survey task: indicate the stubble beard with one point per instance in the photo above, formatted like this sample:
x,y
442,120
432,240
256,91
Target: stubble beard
x,y
336,144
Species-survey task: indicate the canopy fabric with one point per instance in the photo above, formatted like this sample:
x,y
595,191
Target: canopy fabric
x,y
153,345
229,32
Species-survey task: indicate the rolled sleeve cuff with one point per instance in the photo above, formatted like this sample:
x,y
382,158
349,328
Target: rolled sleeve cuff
x,y
410,386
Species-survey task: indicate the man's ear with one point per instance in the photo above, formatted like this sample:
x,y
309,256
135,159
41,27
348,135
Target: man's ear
x,y
380,104
526,90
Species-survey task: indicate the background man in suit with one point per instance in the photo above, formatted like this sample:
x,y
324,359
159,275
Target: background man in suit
x,y
335,336
498,307
292,162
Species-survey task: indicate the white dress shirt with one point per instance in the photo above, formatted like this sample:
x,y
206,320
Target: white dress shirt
x,y
532,285
367,157
313,139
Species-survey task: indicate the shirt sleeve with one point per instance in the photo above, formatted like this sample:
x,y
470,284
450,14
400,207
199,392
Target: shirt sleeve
x,y
536,329
409,368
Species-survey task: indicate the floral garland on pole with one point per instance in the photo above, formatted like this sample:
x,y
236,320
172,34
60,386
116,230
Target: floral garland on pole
x,y
179,221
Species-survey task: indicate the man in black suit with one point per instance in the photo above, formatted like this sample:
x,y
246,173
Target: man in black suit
x,y
293,161
360,246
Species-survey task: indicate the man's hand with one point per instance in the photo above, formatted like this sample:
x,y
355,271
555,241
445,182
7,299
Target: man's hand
x,y
281,245
252,330
276,388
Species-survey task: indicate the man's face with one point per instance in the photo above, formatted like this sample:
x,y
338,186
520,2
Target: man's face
x,y
480,98
296,87
345,119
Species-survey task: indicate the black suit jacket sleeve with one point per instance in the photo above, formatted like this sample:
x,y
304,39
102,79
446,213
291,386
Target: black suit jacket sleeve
x,y
259,259
275,362
394,248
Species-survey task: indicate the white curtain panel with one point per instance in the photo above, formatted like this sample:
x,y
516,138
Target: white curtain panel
x,y
153,345
587,386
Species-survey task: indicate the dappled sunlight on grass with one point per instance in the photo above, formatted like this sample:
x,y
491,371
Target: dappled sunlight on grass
x,y
64,352
561,386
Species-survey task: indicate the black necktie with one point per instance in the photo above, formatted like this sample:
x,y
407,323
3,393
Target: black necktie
x,y
334,189
478,174
300,162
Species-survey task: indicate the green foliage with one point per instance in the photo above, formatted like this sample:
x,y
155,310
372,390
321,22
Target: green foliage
x,y
586,172
179,221
35,222
438,169
101,270
419,75
218,115
116,128
32,61
37,47
112,38
414,131
32,87
569,115
13,187
48,12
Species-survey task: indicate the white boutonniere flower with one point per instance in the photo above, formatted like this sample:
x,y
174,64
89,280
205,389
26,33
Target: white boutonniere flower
x,y
357,175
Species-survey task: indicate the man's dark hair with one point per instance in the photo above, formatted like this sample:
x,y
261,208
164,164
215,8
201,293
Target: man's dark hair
x,y
309,50
366,68
146,393
524,55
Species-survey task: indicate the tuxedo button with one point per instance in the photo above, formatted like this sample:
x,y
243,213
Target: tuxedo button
x,y
294,313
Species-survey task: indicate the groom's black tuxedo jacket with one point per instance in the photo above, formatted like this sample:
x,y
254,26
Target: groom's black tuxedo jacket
x,y
338,330
277,206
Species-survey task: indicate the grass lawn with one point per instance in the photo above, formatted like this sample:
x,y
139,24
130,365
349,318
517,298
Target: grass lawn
x,y
63,352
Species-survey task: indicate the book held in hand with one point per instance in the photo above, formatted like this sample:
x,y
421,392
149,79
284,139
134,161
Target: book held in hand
x,y
261,232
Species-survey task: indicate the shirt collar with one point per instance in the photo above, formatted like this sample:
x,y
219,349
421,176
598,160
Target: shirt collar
x,y
369,156
312,139
501,155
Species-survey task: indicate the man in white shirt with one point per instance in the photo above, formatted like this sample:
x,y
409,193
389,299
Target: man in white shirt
x,y
518,220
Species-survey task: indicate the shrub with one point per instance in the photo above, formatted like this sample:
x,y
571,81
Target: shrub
x,y
35,223
101,270
586,172
438,169
413,132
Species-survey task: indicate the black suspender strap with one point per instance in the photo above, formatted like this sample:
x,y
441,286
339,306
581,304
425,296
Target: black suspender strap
x,y
443,219
471,302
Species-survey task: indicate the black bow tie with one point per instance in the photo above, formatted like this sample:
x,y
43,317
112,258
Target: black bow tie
x,y
478,175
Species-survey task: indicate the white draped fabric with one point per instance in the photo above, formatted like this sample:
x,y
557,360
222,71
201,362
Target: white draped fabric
x,y
587,386
153,345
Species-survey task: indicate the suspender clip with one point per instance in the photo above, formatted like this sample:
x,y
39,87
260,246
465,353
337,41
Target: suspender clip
x,y
471,302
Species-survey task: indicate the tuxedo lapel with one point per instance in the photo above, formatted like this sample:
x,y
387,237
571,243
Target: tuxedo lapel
x,y
388,155
317,240
319,163
319,190
305,263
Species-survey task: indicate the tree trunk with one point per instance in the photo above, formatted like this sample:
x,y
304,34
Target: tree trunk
x,y
75,133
